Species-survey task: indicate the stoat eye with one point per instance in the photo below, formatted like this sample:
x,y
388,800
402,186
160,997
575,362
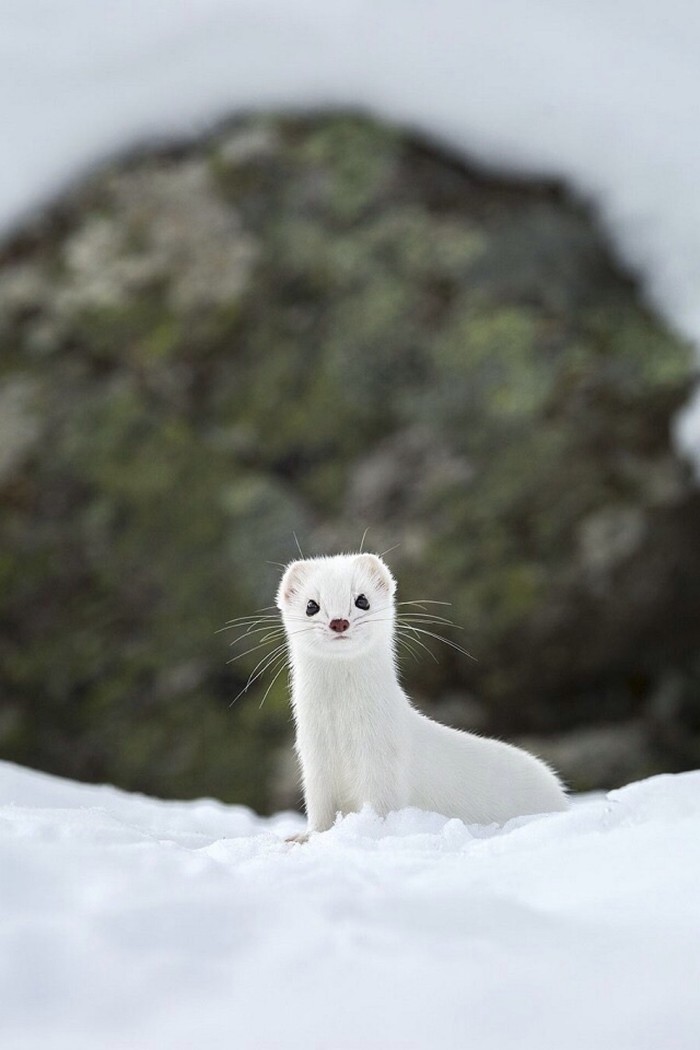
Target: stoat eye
x,y
312,608
361,602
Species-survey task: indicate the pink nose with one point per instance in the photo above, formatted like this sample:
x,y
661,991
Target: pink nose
x,y
339,626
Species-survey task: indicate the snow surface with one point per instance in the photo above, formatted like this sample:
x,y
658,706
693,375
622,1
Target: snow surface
x,y
127,922
605,95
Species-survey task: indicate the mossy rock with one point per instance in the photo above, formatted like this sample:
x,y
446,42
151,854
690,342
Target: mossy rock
x,y
309,326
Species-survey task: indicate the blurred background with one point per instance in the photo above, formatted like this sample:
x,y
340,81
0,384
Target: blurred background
x,y
249,317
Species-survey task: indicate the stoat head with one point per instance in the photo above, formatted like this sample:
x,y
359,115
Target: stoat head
x,y
339,606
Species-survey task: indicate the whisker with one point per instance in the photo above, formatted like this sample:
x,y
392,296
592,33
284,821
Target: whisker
x,y
268,660
298,544
402,619
423,601
243,621
428,618
430,623
248,621
439,638
408,646
302,630
265,624
257,612
268,624
272,683
401,629
389,550
272,655
277,633
252,649
430,652
271,636
362,541
265,656
250,631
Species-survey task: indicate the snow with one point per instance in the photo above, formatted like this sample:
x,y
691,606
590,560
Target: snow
x,y
128,922
131,922
603,95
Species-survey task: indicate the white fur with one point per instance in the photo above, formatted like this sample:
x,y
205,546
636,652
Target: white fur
x,y
359,738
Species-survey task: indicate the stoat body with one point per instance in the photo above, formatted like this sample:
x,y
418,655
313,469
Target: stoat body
x,y
358,737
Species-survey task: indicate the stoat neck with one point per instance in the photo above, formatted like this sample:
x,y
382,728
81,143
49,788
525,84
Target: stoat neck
x,y
370,677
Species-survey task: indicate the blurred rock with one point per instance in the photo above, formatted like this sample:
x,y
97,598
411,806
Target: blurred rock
x,y
461,711
406,472
609,538
599,757
285,782
19,425
313,326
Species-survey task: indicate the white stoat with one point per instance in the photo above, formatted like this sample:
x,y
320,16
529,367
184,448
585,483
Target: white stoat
x,y
359,738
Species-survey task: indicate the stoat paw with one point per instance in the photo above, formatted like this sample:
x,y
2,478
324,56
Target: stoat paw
x,y
303,836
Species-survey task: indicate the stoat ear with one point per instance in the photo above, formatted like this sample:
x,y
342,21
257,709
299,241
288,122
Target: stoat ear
x,y
290,583
378,572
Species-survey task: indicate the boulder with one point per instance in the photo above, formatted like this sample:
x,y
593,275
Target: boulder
x,y
314,325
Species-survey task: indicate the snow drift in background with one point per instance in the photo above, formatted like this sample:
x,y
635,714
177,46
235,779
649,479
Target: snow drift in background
x,y
604,95
129,922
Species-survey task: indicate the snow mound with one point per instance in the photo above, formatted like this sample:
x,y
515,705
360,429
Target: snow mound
x,y
131,922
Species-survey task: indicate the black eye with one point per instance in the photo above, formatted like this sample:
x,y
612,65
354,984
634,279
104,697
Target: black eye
x,y
361,602
312,608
